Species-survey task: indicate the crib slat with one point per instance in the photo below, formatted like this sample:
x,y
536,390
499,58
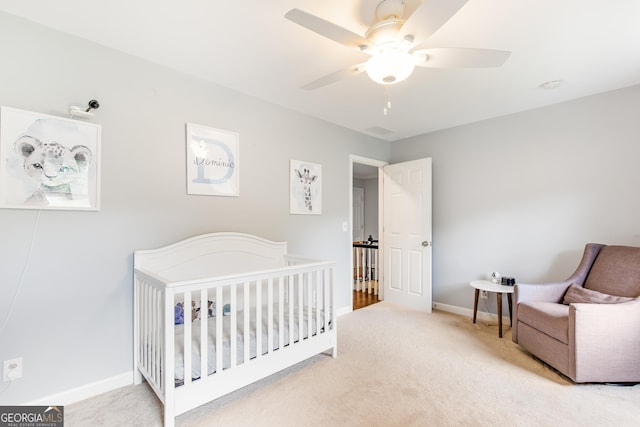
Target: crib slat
x,y
326,291
187,338
144,337
308,289
154,307
155,351
258,318
246,335
269,315
167,347
204,332
280,312
233,332
300,307
219,348
148,332
139,312
317,299
291,297
142,328
160,342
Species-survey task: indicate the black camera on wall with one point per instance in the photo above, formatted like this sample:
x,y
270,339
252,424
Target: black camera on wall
x,y
508,281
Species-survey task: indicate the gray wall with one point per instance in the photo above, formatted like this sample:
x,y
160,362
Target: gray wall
x,y
370,187
71,318
522,194
370,207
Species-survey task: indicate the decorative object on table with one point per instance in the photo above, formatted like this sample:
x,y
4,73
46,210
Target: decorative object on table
x,y
212,161
48,162
508,281
305,196
495,277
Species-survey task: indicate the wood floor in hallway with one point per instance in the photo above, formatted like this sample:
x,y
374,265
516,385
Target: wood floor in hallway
x,y
363,299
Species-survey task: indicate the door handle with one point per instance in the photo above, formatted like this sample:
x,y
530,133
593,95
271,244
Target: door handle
x,y
426,243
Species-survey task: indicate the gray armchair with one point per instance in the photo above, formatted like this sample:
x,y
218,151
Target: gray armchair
x,y
590,332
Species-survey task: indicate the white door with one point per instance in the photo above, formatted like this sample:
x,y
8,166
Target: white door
x,y
407,234
358,214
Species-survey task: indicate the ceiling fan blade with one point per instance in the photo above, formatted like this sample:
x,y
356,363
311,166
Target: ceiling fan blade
x,y
429,17
335,77
327,29
454,57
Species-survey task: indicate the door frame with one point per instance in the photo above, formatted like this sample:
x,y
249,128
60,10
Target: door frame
x,y
379,164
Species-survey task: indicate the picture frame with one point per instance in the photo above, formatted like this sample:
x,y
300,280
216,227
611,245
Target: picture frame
x,y
305,188
48,162
212,161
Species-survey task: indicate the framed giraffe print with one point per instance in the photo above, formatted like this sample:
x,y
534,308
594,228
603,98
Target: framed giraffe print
x,y
48,162
305,183
212,161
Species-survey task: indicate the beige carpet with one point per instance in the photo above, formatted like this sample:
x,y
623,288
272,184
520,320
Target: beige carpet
x,y
395,367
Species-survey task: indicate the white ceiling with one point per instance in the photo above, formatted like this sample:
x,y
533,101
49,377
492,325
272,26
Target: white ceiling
x,y
591,45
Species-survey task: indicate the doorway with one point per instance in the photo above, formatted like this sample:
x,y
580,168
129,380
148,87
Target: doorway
x,y
365,229
404,212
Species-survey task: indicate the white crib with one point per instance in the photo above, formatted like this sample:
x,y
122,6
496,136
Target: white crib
x,y
276,310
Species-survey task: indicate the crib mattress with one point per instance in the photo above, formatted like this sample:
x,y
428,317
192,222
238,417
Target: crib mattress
x,y
226,357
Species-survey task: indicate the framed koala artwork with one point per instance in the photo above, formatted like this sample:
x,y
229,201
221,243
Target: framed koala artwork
x,y
48,162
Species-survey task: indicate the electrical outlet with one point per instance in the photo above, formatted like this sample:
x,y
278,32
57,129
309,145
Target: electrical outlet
x,y
12,369
484,294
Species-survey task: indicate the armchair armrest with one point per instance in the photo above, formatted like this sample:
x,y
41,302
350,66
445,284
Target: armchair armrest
x,y
545,292
553,292
528,292
606,341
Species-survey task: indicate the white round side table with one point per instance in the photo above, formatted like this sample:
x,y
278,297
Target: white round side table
x,y
486,285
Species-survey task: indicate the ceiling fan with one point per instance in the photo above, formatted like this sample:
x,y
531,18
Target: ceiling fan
x,y
393,42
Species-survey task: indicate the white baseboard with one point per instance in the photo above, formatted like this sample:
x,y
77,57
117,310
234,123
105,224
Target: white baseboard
x,y
343,310
467,312
86,391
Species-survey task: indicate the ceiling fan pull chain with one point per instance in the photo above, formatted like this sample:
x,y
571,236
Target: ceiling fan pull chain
x,y
387,105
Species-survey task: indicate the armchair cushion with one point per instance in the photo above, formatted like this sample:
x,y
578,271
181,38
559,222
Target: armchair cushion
x,y
578,294
549,317
616,271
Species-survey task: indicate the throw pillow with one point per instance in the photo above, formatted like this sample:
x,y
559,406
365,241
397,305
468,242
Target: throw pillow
x,y
579,294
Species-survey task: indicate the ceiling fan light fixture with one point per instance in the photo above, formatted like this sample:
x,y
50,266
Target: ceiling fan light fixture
x,y
390,66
